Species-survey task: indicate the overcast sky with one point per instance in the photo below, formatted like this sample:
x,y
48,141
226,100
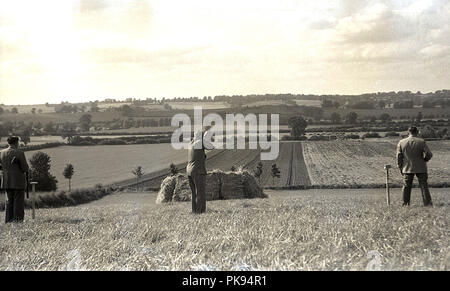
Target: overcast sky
x,y
53,51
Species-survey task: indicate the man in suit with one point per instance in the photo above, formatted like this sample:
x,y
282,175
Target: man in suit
x,y
14,166
196,171
412,157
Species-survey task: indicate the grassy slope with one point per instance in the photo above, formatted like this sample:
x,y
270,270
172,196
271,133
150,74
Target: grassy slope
x,y
291,230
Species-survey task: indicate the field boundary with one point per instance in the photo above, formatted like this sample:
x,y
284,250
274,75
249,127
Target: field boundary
x,y
355,186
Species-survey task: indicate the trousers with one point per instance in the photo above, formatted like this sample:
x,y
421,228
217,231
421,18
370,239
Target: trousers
x,y
15,204
423,183
197,184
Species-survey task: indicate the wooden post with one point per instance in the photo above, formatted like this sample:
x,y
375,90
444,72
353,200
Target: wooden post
x,y
388,194
33,201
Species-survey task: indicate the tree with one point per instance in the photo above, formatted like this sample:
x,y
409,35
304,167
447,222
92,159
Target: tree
x,y
68,173
25,136
14,110
85,122
351,118
326,103
173,169
298,125
40,172
258,172
385,117
2,110
68,132
126,110
419,117
33,110
233,169
335,118
275,172
138,173
381,104
95,108
2,131
49,128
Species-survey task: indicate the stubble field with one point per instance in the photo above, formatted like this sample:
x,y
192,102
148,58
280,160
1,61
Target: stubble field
x,y
290,230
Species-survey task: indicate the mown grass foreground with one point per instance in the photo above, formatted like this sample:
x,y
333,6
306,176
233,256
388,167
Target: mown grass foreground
x,y
290,230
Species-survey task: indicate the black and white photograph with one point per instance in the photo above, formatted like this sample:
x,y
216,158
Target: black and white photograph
x,y
241,136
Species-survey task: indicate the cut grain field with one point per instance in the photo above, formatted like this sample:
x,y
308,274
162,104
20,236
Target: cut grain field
x,y
290,230
354,163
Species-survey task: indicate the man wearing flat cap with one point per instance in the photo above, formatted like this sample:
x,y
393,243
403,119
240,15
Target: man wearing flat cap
x,y
14,166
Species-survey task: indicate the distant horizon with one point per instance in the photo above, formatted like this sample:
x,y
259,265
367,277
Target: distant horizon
x,y
123,99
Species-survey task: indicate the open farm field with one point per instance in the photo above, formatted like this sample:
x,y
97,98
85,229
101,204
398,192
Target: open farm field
x,y
190,105
334,164
34,140
352,163
313,103
108,164
351,229
59,118
27,108
394,113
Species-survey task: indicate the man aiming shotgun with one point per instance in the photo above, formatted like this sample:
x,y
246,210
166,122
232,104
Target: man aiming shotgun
x,y
412,157
196,171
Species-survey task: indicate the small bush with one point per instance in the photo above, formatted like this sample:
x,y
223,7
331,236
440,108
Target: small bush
x,y
371,135
64,199
288,137
322,137
391,134
110,141
351,136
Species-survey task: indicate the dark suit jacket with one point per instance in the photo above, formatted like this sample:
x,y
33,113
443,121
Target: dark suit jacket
x,y
13,165
413,155
196,161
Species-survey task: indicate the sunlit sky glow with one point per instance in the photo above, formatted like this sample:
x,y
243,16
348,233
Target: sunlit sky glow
x,y
53,51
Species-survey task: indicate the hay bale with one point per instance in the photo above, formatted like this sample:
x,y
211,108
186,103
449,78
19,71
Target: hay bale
x,y
232,186
166,191
182,191
251,186
219,185
213,185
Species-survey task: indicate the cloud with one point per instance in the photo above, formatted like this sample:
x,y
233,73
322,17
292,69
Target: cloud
x,y
124,55
178,48
85,6
435,50
373,24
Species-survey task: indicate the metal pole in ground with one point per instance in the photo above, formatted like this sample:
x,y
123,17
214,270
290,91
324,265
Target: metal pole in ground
x,y
388,194
33,201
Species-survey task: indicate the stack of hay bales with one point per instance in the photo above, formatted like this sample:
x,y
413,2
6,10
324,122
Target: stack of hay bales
x,y
167,188
213,185
182,190
232,186
219,185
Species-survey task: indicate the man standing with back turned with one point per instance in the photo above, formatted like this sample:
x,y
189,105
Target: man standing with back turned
x,y
14,166
412,157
